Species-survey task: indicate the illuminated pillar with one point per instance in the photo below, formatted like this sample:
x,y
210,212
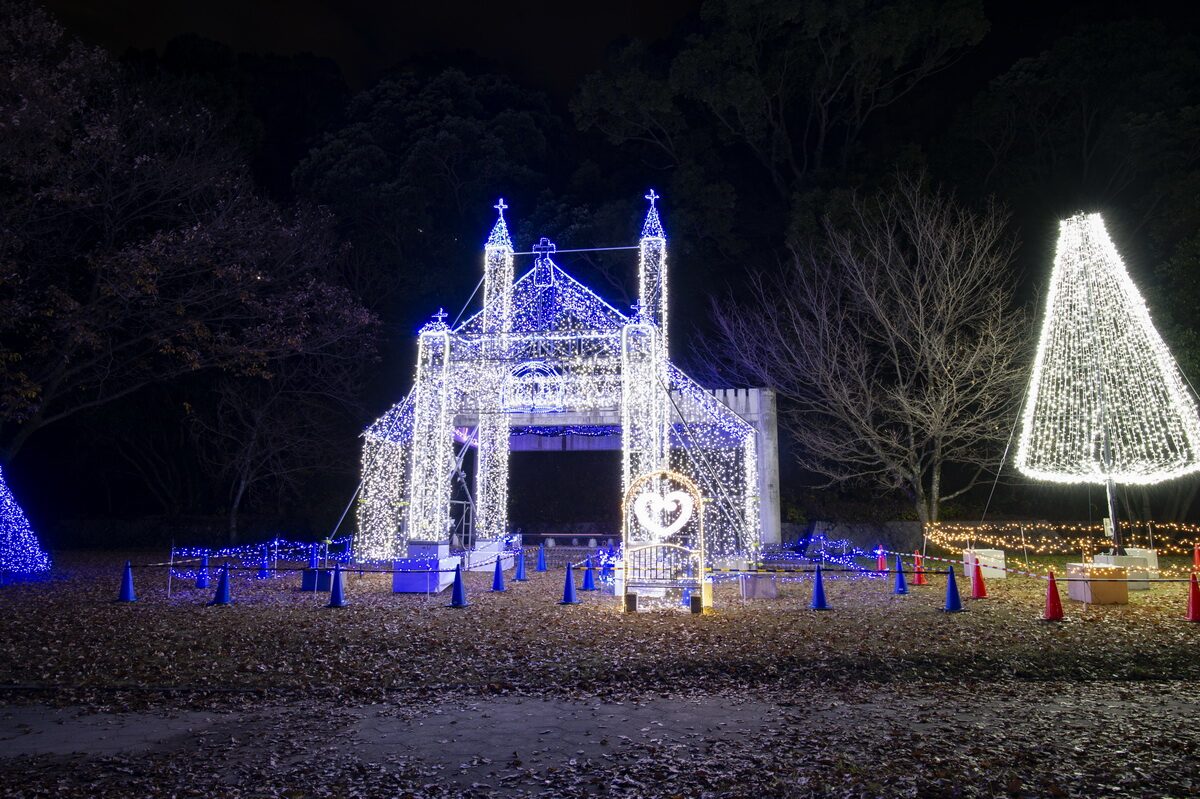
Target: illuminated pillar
x,y
641,404
432,453
652,311
382,500
491,470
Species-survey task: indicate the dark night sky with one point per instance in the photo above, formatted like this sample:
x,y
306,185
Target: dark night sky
x,y
549,45
546,45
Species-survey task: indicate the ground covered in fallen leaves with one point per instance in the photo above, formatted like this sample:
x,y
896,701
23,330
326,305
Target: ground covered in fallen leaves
x,y
516,695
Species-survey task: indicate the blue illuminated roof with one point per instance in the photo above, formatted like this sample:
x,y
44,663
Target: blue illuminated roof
x,y
561,305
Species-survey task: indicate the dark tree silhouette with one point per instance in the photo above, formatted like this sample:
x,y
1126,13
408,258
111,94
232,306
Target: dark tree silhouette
x,y
135,249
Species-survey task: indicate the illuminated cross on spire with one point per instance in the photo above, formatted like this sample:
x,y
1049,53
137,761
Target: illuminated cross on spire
x,y
652,229
544,248
440,316
499,236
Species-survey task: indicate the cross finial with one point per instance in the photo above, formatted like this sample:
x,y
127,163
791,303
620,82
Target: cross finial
x,y
441,315
652,197
500,206
544,248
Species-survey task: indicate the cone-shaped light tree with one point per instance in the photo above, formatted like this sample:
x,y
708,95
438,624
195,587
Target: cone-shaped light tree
x,y
20,553
1107,403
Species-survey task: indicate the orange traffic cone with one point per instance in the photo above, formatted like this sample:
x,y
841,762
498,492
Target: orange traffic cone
x,y
880,560
1193,611
1054,611
918,570
978,589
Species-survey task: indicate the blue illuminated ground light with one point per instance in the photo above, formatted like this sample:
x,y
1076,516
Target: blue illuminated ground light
x,y
279,550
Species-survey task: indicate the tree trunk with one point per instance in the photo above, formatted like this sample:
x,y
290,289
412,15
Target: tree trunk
x,y
935,493
233,510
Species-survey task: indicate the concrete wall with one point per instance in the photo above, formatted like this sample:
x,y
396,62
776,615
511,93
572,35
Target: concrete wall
x,y
757,406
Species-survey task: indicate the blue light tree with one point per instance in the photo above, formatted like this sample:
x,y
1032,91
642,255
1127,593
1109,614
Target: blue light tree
x,y
21,555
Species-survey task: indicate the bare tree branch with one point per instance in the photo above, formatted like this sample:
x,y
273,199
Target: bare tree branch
x,y
893,344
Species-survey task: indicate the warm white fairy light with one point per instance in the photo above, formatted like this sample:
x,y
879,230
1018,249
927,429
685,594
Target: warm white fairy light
x,y
547,345
1103,377
664,540
432,450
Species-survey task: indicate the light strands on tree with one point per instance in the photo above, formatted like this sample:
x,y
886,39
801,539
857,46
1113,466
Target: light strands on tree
x,y
21,555
1107,402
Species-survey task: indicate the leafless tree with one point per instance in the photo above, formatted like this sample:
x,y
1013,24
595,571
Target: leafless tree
x,y
893,343
263,435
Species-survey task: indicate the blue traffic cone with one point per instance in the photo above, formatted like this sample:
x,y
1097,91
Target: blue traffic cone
x,y
313,562
337,595
589,576
953,600
519,574
569,597
202,575
498,576
818,600
541,564
127,594
264,567
458,597
222,597
901,586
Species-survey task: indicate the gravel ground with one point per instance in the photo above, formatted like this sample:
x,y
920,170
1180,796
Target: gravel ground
x,y
517,696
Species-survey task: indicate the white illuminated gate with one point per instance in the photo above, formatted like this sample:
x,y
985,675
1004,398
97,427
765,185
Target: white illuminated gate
x,y
545,352
663,536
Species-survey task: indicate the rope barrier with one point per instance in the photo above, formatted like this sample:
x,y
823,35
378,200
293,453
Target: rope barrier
x,y
710,570
215,563
1037,576
902,555
824,570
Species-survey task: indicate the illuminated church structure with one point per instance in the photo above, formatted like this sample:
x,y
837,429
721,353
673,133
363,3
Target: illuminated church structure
x,y
547,364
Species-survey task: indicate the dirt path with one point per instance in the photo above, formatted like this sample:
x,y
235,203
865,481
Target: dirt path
x,y
1019,738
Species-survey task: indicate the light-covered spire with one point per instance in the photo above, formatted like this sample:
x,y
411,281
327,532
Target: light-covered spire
x,y
436,324
652,229
499,236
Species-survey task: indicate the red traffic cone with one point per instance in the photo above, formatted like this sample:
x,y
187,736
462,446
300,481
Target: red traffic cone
x,y
1054,611
1193,611
919,577
978,589
880,560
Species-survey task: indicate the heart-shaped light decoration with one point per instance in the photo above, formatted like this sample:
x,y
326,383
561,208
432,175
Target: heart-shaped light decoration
x,y
650,508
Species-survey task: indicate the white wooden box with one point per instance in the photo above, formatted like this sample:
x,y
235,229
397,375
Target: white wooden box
x,y
1151,556
1135,568
1083,585
758,586
423,575
991,563
483,557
